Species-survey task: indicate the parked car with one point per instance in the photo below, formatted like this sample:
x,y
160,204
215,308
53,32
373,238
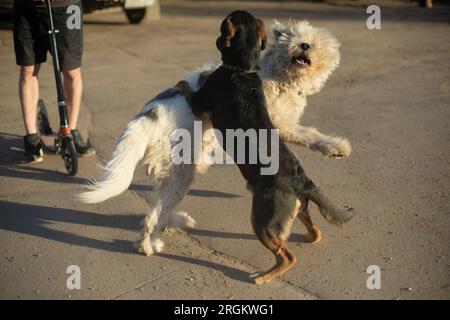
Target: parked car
x,y
135,10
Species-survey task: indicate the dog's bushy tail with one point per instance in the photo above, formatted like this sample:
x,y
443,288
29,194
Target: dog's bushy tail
x,y
118,173
327,209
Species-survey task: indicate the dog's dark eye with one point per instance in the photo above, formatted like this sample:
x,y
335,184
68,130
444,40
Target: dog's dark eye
x,y
304,46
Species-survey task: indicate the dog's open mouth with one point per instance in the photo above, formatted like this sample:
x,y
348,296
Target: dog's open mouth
x,y
301,60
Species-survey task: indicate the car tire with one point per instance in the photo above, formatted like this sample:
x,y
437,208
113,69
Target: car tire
x,y
135,16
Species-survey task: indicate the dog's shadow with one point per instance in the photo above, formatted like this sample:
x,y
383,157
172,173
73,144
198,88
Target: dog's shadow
x,y
296,238
40,221
230,272
11,150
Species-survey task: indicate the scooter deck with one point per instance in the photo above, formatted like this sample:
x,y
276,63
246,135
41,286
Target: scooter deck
x,y
49,143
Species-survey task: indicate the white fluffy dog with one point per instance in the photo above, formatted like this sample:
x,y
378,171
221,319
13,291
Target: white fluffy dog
x,y
296,65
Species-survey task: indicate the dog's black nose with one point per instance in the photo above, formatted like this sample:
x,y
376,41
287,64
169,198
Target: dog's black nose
x,y
304,46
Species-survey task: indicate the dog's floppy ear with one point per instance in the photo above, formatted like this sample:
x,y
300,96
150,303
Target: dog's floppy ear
x,y
230,32
227,33
278,29
262,33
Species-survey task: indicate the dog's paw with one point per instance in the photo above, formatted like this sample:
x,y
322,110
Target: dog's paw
x,y
144,246
256,277
312,238
334,147
148,247
157,245
181,220
262,279
313,235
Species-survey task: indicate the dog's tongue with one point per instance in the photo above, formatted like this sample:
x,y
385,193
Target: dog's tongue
x,y
303,60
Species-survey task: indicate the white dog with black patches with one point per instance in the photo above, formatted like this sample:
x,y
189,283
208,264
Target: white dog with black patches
x,y
295,66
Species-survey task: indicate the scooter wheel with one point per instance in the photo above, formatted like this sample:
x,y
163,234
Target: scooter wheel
x,y
69,155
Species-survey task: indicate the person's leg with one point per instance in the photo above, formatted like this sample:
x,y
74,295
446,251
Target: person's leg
x,y
73,89
70,52
29,96
30,47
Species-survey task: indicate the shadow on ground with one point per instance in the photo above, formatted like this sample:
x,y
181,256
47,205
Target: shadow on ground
x,y
11,150
41,221
38,220
230,272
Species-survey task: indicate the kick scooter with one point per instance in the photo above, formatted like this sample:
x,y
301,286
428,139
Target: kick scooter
x,y
64,144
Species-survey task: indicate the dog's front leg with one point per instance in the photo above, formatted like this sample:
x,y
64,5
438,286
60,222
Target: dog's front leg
x,y
333,147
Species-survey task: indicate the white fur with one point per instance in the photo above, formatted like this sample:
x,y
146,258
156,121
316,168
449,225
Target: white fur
x,y
181,220
118,173
286,87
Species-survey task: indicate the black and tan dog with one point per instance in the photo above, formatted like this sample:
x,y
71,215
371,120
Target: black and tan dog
x,y
234,94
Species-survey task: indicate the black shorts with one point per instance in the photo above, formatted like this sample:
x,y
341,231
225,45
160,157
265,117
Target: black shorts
x,y
32,40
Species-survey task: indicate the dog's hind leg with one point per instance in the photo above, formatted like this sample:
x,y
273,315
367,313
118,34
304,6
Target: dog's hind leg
x,y
285,259
144,244
272,227
170,193
313,235
181,219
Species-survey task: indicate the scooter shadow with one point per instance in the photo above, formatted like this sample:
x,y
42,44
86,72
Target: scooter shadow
x,y
11,151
